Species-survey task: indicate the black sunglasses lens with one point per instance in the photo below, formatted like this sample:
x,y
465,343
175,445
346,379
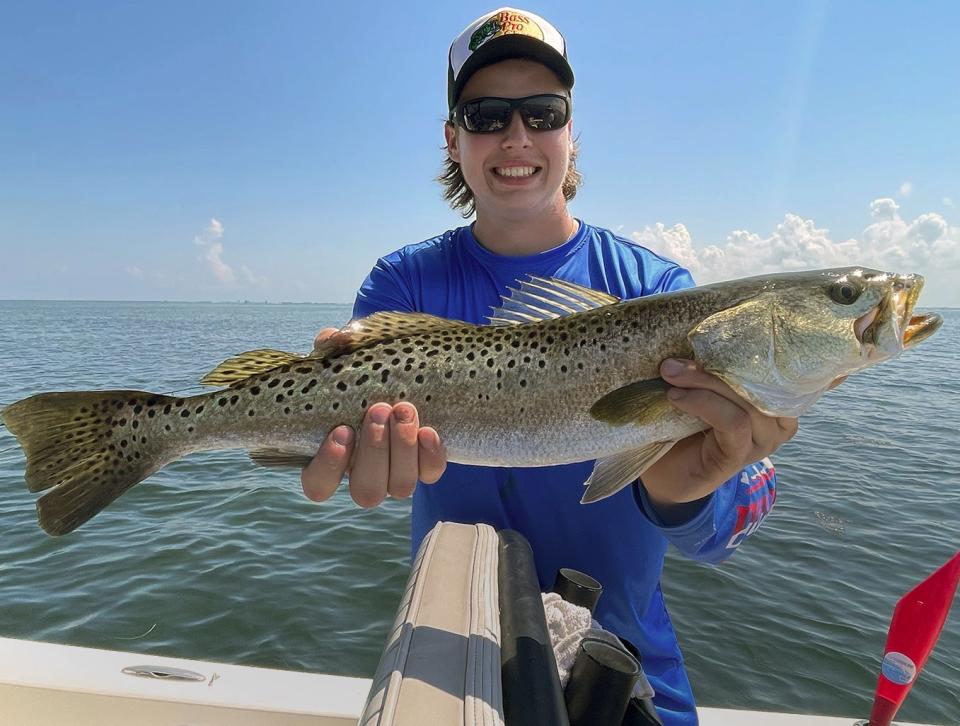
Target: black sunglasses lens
x,y
488,115
544,113
485,115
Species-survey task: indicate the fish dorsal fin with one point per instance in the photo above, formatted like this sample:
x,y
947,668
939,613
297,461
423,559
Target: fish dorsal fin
x,y
380,327
545,298
242,366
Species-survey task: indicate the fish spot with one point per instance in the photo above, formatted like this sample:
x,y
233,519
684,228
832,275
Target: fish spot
x,y
286,410
279,398
255,390
448,375
274,383
189,429
178,402
334,406
363,403
308,407
234,399
199,409
184,413
363,379
136,424
250,412
287,383
471,355
489,362
166,427
304,369
523,383
542,363
419,378
563,369
472,373
136,409
341,386
384,376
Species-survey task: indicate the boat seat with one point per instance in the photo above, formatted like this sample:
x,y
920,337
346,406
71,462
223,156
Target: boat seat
x,y
441,664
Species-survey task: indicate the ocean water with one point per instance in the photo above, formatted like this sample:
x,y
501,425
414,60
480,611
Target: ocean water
x,y
217,559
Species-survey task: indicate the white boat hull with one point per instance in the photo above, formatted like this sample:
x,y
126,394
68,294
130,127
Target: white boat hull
x,y
44,684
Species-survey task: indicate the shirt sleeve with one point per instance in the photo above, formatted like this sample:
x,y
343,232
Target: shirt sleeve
x,y
729,515
384,289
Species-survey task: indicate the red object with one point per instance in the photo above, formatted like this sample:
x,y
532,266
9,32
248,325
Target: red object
x,y
914,629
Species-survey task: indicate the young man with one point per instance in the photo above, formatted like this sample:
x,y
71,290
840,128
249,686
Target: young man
x,y
511,154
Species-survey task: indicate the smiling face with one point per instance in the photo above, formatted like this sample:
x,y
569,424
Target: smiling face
x,y
514,173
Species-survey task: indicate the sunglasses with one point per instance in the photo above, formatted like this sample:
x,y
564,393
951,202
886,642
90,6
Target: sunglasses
x,y
489,114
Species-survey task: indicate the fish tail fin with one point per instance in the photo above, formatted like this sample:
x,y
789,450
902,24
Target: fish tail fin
x,y
87,447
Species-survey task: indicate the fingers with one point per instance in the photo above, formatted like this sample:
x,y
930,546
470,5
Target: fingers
x,y
392,454
371,469
321,477
404,456
432,455
740,429
322,336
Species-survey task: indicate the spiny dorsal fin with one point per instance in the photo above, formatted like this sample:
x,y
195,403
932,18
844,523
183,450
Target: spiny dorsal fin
x,y
381,327
244,365
543,298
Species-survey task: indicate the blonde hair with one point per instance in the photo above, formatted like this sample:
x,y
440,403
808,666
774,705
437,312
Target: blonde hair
x,y
460,196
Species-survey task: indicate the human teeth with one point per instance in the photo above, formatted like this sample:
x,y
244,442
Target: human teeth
x,y
515,170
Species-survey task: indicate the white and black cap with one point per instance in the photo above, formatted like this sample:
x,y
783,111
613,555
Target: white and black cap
x,y
502,34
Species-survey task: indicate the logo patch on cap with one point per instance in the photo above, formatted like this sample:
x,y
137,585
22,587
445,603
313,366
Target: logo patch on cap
x,y
504,23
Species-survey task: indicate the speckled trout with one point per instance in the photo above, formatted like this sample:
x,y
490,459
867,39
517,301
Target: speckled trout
x,y
561,374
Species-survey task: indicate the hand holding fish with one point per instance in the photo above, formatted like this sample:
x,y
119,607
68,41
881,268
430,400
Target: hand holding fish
x,y
739,435
392,454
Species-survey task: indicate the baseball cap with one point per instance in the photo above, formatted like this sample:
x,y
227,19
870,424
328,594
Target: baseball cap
x,y
502,34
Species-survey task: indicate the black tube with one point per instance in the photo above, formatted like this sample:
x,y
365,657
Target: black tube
x,y
578,588
601,681
531,686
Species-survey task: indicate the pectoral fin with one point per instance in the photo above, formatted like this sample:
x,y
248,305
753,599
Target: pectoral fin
x,y
637,403
275,458
613,473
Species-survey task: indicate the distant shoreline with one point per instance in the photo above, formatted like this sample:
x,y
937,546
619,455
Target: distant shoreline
x,y
265,302
175,302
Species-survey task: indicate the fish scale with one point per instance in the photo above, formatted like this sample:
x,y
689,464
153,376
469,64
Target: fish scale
x,y
565,374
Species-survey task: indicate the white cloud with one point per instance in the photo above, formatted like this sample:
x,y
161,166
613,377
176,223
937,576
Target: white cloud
x,y
947,202
209,240
889,242
134,271
906,189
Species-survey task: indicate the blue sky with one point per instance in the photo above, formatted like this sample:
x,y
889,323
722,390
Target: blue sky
x,y
271,151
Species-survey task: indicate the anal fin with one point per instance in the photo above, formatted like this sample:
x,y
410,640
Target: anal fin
x,y
613,473
279,459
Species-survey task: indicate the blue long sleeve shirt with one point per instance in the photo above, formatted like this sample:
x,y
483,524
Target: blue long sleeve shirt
x,y
621,540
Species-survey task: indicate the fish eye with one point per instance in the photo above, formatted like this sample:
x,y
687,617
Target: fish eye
x,y
844,293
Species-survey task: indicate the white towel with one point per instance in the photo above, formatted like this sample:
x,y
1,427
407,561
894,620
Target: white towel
x,y
568,625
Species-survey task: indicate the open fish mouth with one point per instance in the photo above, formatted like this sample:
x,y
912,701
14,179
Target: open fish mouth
x,y
920,327
916,328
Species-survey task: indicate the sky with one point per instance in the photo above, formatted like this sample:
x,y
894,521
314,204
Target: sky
x,y
272,151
